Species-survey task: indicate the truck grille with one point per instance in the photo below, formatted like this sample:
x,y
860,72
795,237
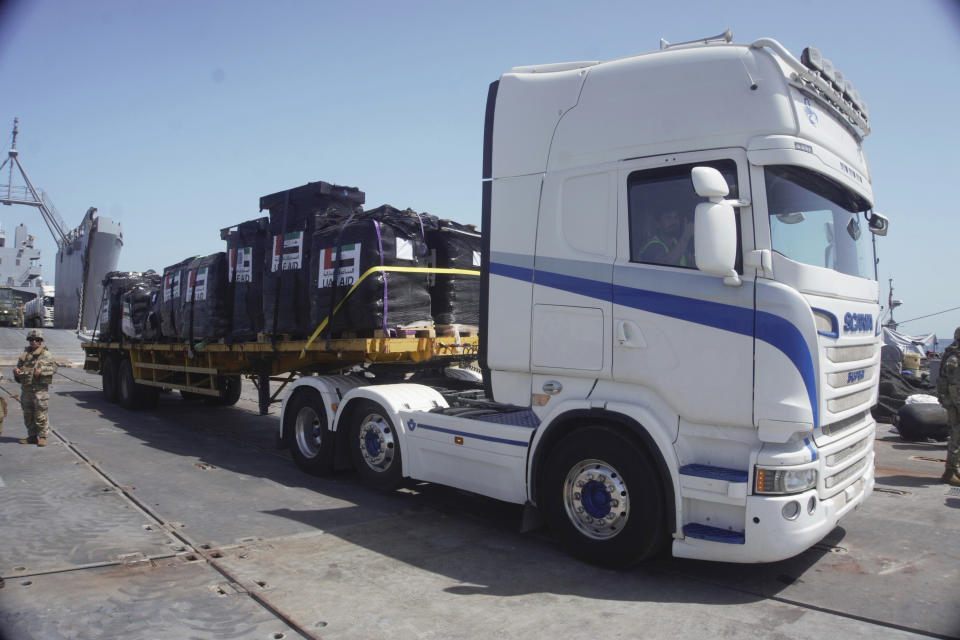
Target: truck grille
x,y
834,459
846,474
841,404
840,426
850,354
853,376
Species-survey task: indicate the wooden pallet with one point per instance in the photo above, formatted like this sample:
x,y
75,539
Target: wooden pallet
x,y
465,331
379,334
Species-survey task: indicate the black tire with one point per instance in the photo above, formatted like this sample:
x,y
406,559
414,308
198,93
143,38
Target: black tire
x,y
109,377
374,447
132,395
127,387
305,431
623,519
230,388
923,420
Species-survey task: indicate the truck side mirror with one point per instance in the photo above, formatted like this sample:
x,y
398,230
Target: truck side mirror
x,y
709,183
715,227
878,224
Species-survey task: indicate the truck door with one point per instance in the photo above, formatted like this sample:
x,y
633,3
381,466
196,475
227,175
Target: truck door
x,y
573,267
678,332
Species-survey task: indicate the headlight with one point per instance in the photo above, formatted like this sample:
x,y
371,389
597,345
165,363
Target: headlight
x,y
780,481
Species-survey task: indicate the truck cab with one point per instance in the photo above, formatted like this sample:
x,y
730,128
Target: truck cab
x,y
679,312
732,376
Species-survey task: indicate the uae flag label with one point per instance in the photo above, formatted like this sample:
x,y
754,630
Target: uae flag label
x,y
241,265
287,251
349,265
171,286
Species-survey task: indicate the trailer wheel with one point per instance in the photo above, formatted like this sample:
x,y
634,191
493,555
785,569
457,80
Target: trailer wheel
x,y
603,498
374,447
108,376
132,395
230,388
127,386
305,428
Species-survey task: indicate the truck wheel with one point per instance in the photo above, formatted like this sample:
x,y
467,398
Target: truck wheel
x,y
108,376
305,428
126,385
374,447
230,388
603,498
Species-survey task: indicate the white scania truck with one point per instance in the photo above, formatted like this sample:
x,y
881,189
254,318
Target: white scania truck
x,y
679,315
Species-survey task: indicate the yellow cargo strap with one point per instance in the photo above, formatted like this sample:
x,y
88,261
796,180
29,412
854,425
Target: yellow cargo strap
x,y
320,327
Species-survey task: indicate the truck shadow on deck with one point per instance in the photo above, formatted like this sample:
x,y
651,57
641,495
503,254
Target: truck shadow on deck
x,y
481,544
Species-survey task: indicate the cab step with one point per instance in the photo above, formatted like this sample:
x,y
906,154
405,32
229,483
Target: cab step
x,y
714,484
712,534
714,473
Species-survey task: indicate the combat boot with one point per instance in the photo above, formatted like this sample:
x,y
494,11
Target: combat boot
x,y
951,477
30,440
41,442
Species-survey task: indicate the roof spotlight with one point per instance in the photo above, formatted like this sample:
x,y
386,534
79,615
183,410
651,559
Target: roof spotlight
x,y
839,80
827,70
812,59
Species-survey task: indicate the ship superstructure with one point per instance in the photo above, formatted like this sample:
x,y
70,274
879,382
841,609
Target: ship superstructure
x,y
84,254
19,260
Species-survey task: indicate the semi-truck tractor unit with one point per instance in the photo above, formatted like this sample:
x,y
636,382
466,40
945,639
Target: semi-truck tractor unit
x,y
678,343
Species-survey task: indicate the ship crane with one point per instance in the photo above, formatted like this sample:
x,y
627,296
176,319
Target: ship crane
x,y
28,195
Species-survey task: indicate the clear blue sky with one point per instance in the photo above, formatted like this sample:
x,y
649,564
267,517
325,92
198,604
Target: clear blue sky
x,y
175,117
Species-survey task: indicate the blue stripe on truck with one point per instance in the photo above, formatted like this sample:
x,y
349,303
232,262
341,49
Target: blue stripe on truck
x,y
772,329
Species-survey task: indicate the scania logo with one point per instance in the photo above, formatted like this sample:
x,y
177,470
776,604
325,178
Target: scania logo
x,y
853,322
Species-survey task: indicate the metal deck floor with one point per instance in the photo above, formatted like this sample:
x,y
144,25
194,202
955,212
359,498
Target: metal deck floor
x,y
187,523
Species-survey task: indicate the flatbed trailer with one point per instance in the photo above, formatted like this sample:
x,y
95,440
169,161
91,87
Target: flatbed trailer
x,y
134,373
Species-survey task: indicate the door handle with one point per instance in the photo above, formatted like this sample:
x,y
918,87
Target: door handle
x,y
630,336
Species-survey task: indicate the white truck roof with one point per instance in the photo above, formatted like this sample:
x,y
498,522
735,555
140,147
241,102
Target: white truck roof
x,y
682,98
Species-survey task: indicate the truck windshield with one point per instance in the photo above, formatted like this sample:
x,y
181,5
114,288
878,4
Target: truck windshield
x,y
816,221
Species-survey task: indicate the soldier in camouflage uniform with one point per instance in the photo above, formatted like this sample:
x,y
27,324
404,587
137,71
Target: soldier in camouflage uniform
x,y
3,410
948,391
34,372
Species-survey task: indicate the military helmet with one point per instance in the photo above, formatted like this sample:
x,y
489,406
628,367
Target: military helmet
x,y
35,333
956,334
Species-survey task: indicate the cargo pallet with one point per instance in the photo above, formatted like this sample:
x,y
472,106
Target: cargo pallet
x,y
134,373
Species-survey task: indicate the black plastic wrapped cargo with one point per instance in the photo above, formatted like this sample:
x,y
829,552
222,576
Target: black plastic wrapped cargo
x,y
294,216
246,255
455,298
137,302
171,299
343,253
207,300
115,284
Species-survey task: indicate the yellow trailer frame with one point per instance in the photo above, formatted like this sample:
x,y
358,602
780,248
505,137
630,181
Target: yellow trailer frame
x,y
201,368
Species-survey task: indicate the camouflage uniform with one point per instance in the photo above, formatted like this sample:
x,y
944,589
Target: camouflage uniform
x,y
36,373
3,412
948,392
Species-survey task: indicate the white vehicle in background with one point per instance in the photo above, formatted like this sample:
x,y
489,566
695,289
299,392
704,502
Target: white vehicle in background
x,y
39,311
719,404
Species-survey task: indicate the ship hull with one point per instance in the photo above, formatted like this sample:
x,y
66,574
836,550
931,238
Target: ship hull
x,y
92,251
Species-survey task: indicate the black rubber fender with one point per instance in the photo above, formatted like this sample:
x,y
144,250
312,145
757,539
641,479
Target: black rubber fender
x,y
922,420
